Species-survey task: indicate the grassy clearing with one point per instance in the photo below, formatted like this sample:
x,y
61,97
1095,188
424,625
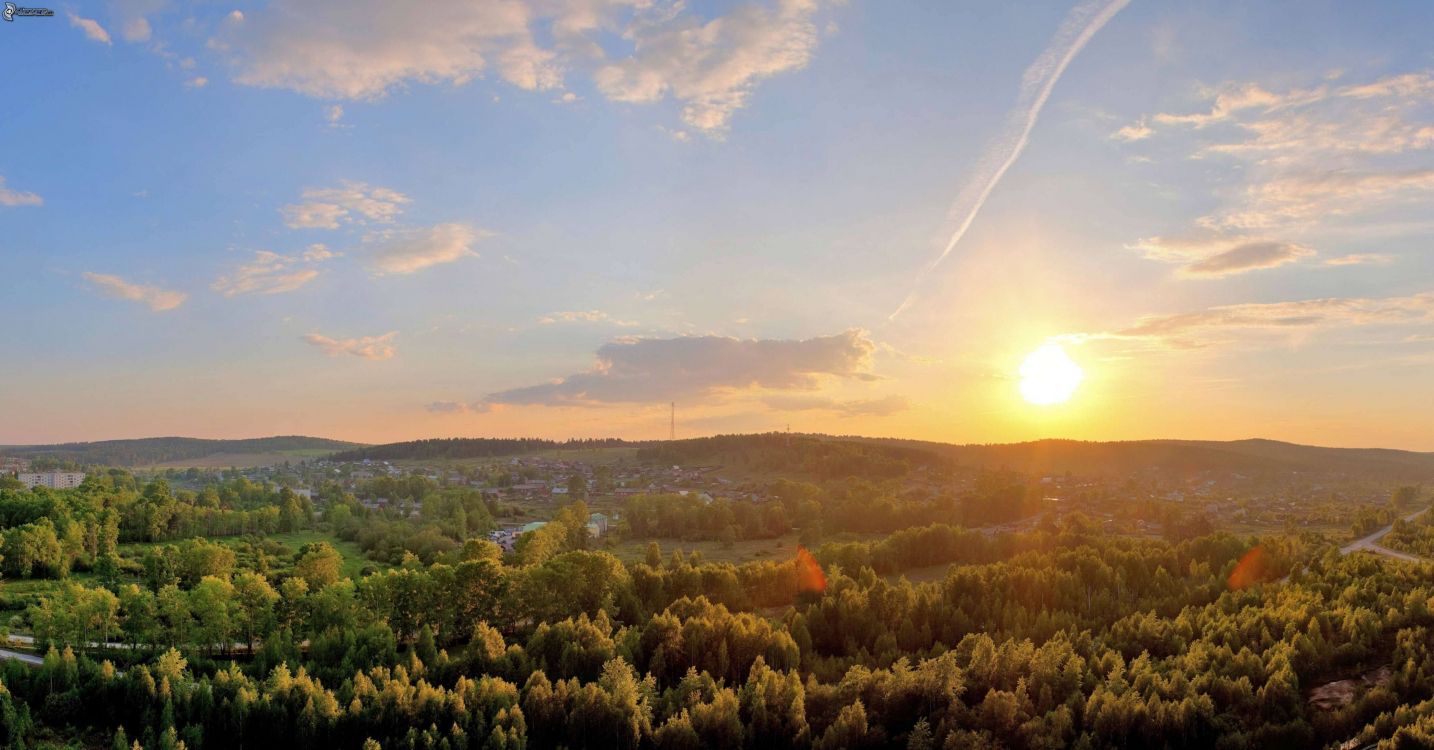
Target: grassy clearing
x,y
928,574
354,558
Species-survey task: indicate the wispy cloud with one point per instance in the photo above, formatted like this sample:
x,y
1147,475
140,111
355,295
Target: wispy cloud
x,y
1214,324
457,407
874,407
272,273
91,27
584,316
1079,25
1360,259
410,250
327,208
1138,131
10,197
1308,162
366,347
1304,197
156,298
1215,256
638,370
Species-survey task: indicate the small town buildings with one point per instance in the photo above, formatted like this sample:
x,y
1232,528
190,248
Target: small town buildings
x,y
56,480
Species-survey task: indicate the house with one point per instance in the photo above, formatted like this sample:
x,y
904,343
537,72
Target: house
x,y
55,480
597,524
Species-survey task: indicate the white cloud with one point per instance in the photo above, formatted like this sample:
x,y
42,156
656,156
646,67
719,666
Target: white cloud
x,y
157,299
91,27
9,197
272,273
361,49
712,67
197,82
327,208
408,250
317,252
635,50
333,114
634,370
366,347
1134,132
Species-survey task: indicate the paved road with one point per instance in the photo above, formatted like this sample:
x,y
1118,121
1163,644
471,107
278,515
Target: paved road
x,y
6,653
1371,542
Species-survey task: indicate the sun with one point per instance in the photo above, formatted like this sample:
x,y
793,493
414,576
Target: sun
x,y
1049,376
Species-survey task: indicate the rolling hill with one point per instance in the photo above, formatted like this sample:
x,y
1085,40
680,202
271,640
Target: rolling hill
x,y
1186,457
161,451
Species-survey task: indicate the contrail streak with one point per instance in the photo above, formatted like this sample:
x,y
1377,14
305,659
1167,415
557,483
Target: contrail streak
x,y
1080,24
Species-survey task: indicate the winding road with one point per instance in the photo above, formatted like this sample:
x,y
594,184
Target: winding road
x,y
1371,543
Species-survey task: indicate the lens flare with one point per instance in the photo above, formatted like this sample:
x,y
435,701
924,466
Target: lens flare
x,y
809,572
1250,570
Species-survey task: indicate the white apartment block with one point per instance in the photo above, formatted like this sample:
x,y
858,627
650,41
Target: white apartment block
x,y
58,480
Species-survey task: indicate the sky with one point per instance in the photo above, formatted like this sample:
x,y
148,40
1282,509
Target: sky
x,y
383,221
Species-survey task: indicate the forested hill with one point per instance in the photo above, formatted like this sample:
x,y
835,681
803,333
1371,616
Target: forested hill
x,y
835,456
1186,456
804,454
159,450
457,448
816,455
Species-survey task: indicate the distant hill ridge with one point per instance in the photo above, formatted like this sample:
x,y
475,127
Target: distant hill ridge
x,y
459,448
158,450
1055,456
1052,456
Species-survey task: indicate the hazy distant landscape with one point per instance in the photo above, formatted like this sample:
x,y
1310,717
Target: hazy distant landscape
x,y
1042,456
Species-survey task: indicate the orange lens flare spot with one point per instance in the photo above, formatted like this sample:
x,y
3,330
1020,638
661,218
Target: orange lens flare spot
x,y
1250,570
809,572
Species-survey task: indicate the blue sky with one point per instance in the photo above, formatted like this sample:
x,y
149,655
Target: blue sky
x,y
552,217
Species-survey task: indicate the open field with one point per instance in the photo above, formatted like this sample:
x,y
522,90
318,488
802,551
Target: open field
x,y
928,574
354,558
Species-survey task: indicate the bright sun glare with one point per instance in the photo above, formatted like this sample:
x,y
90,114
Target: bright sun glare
x,y
1049,376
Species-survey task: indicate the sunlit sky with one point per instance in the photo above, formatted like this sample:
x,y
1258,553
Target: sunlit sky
x,y
381,221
